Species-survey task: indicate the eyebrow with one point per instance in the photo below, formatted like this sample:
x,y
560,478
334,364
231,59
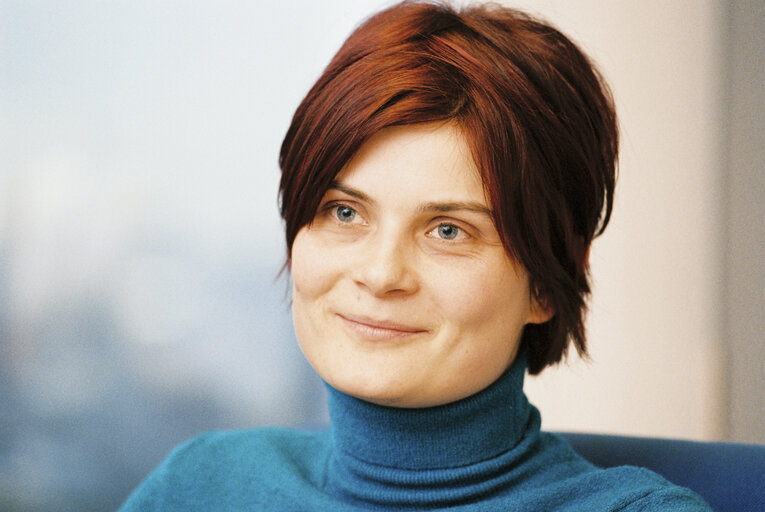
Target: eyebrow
x,y
426,207
336,185
455,206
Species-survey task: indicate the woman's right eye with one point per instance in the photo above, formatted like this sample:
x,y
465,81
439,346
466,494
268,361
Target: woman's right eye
x,y
344,213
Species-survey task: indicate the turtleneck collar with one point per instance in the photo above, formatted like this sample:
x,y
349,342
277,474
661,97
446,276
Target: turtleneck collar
x,y
471,430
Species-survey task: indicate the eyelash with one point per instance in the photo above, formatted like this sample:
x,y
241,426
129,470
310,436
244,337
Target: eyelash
x,y
332,208
461,233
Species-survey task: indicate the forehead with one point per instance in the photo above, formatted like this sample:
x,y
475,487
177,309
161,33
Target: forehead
x,y
432,160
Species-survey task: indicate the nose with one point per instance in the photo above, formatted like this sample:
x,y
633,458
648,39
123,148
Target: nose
x,y
386,266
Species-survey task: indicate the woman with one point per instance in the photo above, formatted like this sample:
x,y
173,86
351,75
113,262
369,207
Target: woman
x,y
441,185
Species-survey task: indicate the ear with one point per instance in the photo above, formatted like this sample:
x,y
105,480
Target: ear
x,y
540,311
585,259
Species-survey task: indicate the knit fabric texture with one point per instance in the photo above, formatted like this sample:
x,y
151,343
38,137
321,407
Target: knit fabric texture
x,y
483,453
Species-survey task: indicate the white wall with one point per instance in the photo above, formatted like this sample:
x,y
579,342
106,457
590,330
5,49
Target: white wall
x,y
656,351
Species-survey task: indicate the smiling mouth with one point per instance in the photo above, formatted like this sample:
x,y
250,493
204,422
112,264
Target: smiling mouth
x,y
378,329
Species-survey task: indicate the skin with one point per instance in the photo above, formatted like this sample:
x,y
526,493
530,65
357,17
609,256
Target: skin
x,y
403,294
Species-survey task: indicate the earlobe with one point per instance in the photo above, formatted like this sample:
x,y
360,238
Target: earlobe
x,y
540,312
585,259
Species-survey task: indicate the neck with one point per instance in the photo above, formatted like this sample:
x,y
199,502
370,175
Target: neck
x,y
473,429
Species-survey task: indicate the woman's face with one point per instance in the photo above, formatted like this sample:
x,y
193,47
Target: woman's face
x,y
403,293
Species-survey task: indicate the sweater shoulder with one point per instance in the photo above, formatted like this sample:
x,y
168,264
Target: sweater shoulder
x,y
247,448
236,468
580,485
643,490
666,496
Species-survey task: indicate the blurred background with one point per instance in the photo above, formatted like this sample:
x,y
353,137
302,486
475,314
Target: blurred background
x,y
140,242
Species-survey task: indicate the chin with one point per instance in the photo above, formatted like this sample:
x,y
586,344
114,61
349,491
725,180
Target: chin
x,y
381,391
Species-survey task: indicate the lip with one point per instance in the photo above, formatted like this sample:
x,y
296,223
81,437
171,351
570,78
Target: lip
x,y
370,328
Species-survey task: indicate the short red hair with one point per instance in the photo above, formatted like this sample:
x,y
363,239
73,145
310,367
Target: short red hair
x,y
536,114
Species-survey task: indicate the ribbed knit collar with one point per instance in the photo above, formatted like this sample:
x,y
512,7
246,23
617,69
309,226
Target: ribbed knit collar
x,y
458,434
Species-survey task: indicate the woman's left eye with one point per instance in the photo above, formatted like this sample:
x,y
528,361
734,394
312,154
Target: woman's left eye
x,y
446,231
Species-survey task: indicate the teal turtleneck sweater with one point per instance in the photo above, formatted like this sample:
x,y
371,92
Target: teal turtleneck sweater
x,y
482,453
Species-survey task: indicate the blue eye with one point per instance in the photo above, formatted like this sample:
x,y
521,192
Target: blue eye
x,y
345,213
448,231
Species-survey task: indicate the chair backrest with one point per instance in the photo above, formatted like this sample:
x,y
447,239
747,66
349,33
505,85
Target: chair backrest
x,y
730,476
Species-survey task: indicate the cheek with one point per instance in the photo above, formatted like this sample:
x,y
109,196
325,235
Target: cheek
x,y
312,269
491,298
310,283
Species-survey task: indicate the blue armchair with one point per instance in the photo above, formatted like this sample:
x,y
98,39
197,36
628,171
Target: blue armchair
x,y
730,476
